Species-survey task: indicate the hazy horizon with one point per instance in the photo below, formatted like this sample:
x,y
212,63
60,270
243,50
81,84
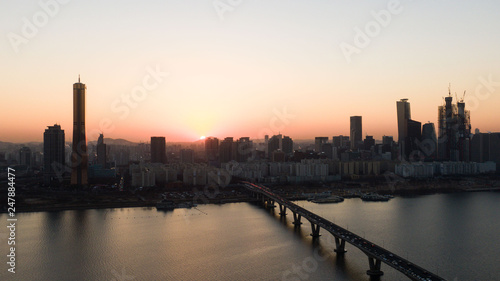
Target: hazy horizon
x,y
255,68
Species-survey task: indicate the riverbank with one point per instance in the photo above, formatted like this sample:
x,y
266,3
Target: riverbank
x,y
56,200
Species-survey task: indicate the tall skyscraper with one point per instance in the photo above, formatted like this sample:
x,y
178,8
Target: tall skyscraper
x,y
101,151
53,154
404,114
79,156
409,131
454,131
356,132
158,150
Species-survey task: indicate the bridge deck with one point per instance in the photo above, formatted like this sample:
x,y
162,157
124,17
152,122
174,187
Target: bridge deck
x,y
372,250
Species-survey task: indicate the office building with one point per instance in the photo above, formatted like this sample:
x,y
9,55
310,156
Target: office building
x,y
158,150
428,145
79,156
409,131
54,163
356,132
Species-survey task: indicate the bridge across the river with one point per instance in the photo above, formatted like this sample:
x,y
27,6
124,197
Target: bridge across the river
x,y
376,254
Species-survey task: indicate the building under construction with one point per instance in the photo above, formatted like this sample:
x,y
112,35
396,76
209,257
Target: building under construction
x,y
454,130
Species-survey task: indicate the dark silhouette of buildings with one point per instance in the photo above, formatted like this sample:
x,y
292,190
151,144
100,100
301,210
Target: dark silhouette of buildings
x,y
282,143
454,131
244,149
53,154
486,147
25,156
227,150
318,142
158,150
287,145
368,142
211,149
428,144
240,150
356,132
79,156
341,141
327,150
187,156
101,151
413,140
409,131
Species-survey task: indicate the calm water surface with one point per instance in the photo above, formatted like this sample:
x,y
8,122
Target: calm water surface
x,y
454,235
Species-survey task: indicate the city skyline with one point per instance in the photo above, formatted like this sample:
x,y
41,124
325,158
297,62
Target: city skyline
x,y
204,74
250,140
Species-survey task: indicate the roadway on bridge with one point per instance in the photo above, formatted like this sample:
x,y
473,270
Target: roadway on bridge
x,y
372,250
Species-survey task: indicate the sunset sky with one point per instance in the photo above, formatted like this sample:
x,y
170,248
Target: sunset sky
x,y
236,70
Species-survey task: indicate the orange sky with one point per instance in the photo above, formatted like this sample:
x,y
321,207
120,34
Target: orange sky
x,y
233,76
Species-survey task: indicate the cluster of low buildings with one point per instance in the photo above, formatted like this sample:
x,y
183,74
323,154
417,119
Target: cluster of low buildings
x,y
432,169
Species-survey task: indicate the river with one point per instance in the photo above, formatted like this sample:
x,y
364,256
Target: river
x,y
454,235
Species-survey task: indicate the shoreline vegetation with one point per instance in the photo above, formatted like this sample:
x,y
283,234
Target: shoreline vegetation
x,y
42,200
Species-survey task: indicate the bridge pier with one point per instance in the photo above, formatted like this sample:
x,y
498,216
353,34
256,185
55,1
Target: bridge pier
x,y
270,203
374,270
340,246
282,210
296,219
315,230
